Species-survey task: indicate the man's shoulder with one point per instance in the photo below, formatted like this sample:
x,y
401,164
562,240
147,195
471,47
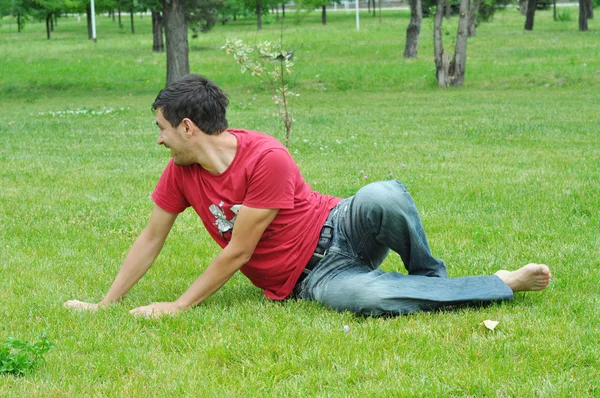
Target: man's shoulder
x,y
255,139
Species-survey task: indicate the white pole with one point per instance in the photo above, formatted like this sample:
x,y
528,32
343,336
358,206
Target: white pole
x,y
357,17
93,12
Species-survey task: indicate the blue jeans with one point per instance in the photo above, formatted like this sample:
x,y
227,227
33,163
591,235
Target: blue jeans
x,y
382,216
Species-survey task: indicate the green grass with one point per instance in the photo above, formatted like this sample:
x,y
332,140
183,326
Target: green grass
x,y
505,171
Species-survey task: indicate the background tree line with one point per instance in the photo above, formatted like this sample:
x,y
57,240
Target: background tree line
x,y
172,19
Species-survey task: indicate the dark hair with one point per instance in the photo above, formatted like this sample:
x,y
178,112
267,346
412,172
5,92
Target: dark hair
x,y
196,98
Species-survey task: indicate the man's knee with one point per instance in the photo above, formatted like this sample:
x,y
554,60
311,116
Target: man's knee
x,y
385,195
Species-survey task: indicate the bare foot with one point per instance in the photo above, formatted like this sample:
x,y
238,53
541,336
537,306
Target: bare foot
x,y
528,278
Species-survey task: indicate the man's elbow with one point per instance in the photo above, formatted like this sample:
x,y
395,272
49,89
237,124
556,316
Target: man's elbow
x,y
240,255
151,238
246,256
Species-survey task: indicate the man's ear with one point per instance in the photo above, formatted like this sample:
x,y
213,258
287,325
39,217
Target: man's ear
x,y
189,126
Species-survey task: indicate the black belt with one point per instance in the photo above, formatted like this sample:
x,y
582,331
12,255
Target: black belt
x,y
322,246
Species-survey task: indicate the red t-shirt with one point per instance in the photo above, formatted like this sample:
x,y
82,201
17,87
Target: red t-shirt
x,y
261,175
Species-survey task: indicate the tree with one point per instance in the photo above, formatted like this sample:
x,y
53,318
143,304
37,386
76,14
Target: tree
x,y
176,15
176,34
323,4
310,5
271,64
48,11
414,29
530,14
473,16
131,5
15,8
249,7
232,8
119,7
155,7
483,11
451,73
583,15
131,11
124,5
259,11
203,15
157,31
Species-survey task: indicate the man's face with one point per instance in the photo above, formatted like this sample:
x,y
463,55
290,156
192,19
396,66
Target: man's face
x,y
173,138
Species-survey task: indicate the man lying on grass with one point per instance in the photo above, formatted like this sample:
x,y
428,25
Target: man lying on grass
x,y
287,239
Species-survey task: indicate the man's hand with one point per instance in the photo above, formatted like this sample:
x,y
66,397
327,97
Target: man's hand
x,y
81,305
156,310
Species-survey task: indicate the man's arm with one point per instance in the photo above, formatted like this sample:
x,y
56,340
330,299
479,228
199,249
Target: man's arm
x,y
139,259
249,227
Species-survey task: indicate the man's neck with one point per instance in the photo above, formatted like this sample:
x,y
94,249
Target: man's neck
x,y
217,152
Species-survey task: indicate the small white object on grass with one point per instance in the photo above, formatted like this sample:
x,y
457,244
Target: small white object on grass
x,y
346,329
490,324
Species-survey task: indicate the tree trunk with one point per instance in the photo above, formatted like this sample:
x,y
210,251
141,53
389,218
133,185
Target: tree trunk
x,y
523,7
451,73
442,59
48,17
414,29
131,18
176,31
583,17
447,9
530,14
590,10
120,23
473,13
459,63
88,12
18,22
258,14
554,4
374,9
158,45
51,23
324,15
283,10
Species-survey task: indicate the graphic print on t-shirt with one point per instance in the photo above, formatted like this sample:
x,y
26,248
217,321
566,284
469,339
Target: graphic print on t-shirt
x,y
224,225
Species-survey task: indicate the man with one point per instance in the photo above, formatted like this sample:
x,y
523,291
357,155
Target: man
x,y
287,239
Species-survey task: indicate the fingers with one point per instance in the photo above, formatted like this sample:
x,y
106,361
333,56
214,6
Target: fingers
x,y
146,312
80,305
155,310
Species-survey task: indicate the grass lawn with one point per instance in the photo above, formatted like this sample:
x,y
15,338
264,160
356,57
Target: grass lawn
x,y
505,171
